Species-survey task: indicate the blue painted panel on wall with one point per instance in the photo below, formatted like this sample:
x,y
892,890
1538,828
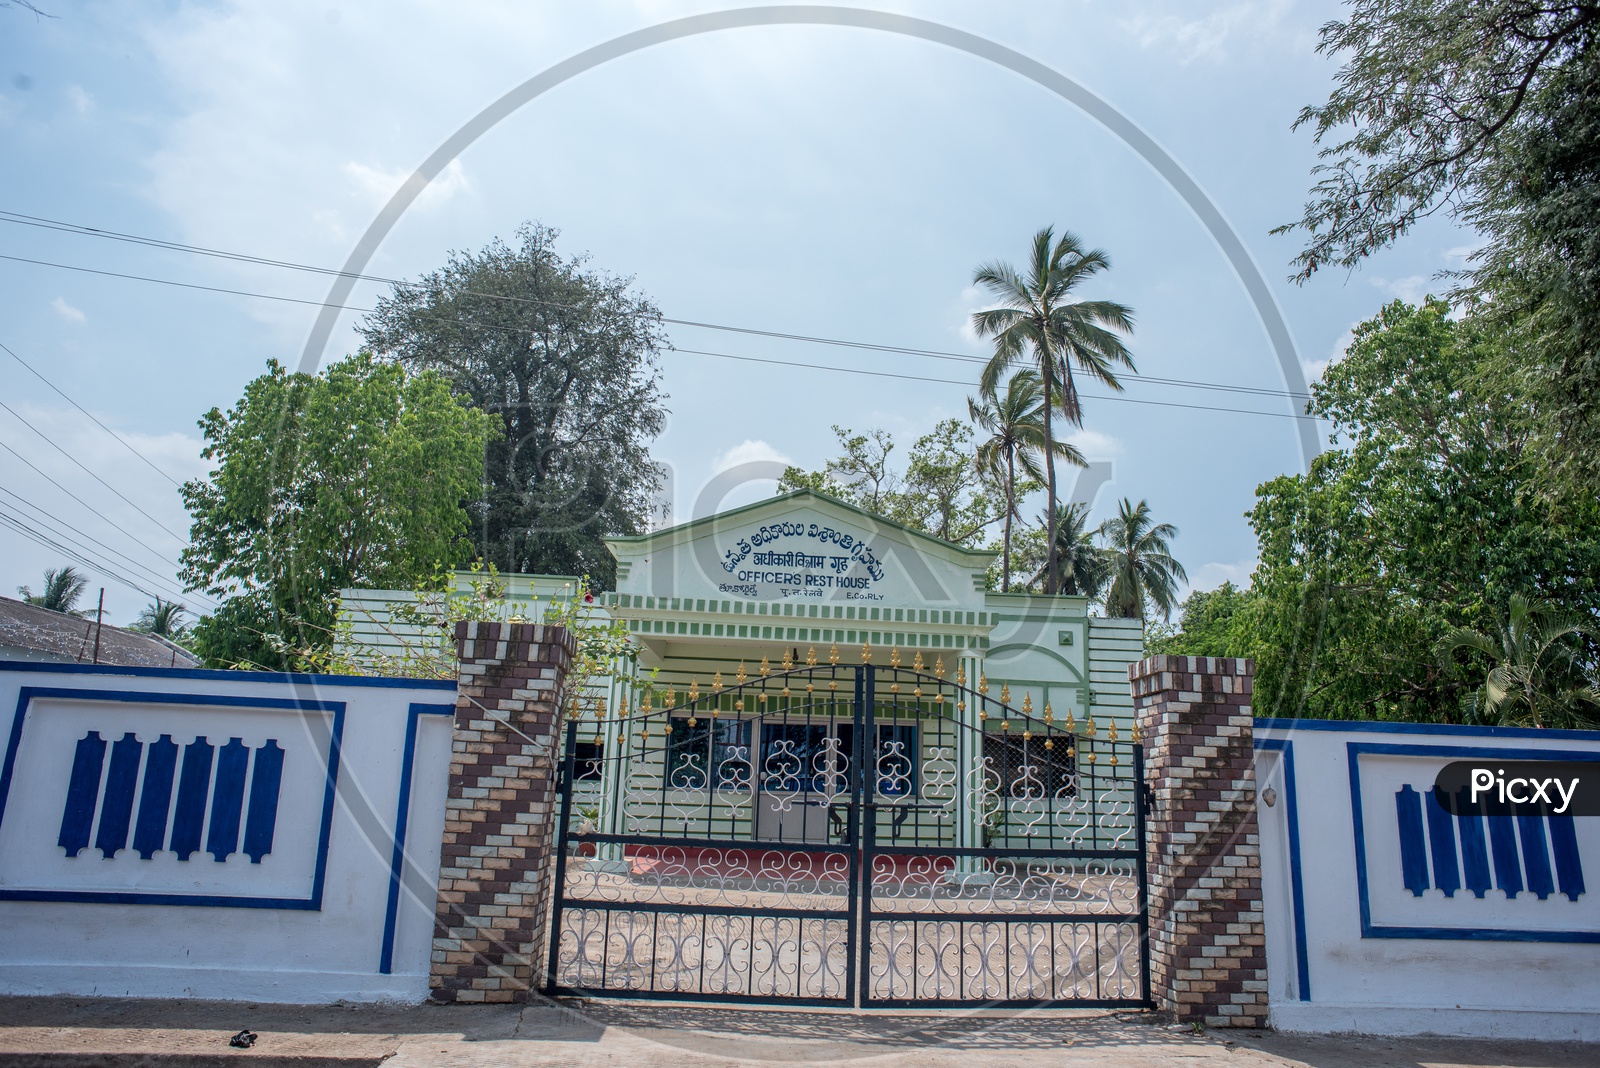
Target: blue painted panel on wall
x,y
83,793
193,784
116,806
263,818
150,833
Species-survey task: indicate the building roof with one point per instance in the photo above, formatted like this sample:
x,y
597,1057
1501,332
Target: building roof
x,y
47,635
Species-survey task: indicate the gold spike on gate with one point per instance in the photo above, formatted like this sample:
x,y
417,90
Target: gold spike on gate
x,y
983,684
694,690
938,667
961,674
716,682
668,701
766,669
788,659
644,702
894,656
916,661
741,676
866,652
811,657
1005,693
833,653
1027,703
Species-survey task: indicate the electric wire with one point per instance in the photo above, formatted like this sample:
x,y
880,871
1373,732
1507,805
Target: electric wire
x,y
16,415
54,525
719,355
33,535
239,257
62,394
115,526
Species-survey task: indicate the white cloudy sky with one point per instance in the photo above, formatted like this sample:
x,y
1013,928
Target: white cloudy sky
x,y
821,181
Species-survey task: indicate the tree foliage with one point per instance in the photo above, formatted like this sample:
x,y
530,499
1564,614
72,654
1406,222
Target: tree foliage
x,y
1015,422
63,587
1039,323
1490,110
1142,574
1210,623
563,359
357,476
1421,523
941,490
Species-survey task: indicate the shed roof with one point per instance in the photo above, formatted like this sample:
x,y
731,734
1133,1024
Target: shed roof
x,y
58,636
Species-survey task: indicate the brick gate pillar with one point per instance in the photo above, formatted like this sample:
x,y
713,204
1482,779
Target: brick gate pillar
x,y
1207,936
499,831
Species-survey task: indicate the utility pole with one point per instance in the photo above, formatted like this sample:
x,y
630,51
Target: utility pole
x,y
99,621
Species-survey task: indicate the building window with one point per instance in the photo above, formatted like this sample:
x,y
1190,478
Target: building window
x,y
718,746
1025,768
587,765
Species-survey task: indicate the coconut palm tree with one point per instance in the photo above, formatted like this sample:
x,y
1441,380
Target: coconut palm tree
x,y
1534,666
1143,571
163,619
1085,568
1039,323
62,588
1017,437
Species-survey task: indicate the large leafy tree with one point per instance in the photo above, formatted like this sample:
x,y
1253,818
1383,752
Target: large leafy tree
x,y
563,358
355,477
63,587
1040,322
1143,573
1490,110
1215,622
1015,422
1421,523
163,619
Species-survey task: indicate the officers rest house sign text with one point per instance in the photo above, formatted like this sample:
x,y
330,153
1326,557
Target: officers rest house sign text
x,y
802,560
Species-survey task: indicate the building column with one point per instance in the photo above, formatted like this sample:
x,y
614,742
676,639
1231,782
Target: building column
x,y
1207,935
500,813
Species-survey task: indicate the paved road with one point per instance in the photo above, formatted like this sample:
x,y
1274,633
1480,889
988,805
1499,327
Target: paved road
x,y
87,1033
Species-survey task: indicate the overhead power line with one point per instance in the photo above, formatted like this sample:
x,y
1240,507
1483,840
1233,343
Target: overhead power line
x,y
109,522
719,355
83,467
55,525
21,527
59,392
239,257
953,382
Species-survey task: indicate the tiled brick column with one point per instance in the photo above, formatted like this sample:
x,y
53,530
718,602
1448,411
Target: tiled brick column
x,y
1207,940
494,893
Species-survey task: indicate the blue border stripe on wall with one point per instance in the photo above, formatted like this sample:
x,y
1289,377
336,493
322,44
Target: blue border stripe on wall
x,y
116,807
1474,850
160,763
83,792
264,786
402,817
227,800
1413,853
1302,957
1564,844
1442,845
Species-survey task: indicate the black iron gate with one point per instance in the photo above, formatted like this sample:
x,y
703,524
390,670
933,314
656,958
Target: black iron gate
x,y
850,835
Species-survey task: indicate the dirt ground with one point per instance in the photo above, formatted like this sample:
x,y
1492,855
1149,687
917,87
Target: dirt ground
x,y
88,1033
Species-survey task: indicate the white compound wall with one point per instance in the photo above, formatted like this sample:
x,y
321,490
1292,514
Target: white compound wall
x,y
219,834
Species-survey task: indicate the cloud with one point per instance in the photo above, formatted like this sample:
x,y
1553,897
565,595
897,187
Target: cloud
x,y
1209,37
68,312
1210,576
1410,289
1094,445
972,299
749,451
377,184
80,99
